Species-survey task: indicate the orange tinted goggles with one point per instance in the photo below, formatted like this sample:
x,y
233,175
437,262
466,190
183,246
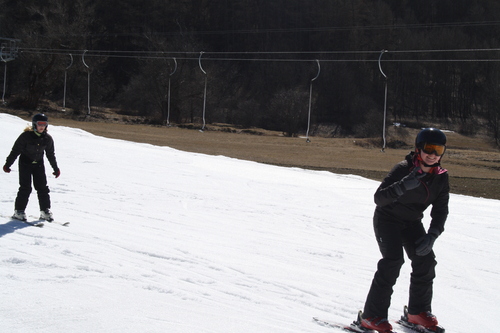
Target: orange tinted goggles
x,y
42,123
429,148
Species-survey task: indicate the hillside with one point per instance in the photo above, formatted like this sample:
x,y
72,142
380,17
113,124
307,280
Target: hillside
x,y
163,240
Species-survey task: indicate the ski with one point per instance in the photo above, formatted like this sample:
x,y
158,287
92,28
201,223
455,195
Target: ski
x,y
34,224
417,328
347,328
355,326
65,224
38,222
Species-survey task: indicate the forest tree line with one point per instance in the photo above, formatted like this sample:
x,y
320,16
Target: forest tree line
x,y
264,63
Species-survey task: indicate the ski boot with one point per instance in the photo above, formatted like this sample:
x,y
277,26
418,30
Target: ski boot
x,y
424,322
19,215
372,325
46,215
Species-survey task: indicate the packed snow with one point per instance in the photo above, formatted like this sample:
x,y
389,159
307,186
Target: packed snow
x,y
163,240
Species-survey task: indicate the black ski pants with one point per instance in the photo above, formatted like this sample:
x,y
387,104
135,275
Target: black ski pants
x,y
392,237
35,171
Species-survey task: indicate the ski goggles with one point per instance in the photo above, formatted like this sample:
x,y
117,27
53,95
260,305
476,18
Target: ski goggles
x,y
430,148
42,123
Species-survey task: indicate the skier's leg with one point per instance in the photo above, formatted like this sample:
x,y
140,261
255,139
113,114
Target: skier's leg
x,y
23,194
423,272
390,244
40,184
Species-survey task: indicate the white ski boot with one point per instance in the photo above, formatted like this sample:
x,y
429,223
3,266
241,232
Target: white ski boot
x,y
46,215
19,215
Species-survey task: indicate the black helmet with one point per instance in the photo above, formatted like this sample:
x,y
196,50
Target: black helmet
x,y
430,141
39,117
430,136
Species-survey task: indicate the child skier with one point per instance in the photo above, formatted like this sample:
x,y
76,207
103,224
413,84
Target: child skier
x,y
410,187
31,146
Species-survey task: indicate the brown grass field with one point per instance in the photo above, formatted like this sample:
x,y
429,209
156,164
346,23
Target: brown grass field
x,y
473,163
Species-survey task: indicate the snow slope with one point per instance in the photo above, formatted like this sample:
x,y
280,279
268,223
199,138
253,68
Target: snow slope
x,y
167,241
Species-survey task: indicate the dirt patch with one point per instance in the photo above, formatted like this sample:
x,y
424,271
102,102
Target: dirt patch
x,y
473,163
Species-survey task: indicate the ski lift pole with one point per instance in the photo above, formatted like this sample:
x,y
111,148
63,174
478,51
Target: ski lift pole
x,y
88,82
8,52
168,101
310,101
385,97
65,75
4,74
205,91
4,82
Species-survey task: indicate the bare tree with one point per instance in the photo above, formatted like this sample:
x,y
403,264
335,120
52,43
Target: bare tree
x,y
60,25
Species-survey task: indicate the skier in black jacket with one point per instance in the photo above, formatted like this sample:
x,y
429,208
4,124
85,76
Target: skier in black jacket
x,y
31,146
407,191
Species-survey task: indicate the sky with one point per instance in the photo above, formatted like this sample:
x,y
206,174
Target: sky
x,y
162,240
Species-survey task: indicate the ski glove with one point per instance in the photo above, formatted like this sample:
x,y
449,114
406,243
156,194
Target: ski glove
x,y
56,172
426,242
6,168
409,182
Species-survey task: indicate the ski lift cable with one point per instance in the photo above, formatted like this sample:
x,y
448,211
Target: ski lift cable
x,y
163,54
299,30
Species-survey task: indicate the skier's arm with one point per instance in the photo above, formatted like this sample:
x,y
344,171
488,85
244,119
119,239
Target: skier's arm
x,y
50,152
17,148
390,188
439,211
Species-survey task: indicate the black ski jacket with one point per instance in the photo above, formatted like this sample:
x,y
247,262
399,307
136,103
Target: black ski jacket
x,y
409,207
32,147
